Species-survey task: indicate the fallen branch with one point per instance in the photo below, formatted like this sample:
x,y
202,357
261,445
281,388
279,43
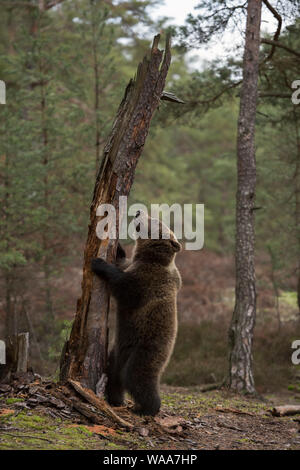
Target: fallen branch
x,y
228,426
99,403
209,387
285,410
82,408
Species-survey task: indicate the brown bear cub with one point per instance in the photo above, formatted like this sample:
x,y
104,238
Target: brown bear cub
x,y
145,288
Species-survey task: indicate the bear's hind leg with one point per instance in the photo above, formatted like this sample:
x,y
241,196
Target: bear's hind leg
x,y
114,391
142,386
147,399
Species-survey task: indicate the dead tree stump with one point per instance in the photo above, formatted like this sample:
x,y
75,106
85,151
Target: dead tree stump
x,y
15,357
85,354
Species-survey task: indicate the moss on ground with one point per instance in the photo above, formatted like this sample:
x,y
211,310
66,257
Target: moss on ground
x,y
11,401
28,430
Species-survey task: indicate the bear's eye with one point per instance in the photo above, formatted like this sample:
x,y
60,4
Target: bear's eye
x,y
137,214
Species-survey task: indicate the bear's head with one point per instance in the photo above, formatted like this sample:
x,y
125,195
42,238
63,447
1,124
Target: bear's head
x,y
157,243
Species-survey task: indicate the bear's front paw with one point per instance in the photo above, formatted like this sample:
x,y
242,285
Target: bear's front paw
x,y
97,265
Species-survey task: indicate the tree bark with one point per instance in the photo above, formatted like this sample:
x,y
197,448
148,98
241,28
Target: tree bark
x,y
243,319
85,354
296,181
23,352
17,355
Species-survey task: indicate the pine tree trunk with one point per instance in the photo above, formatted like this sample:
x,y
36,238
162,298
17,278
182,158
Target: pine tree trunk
x,y
243,320
84,355
297,203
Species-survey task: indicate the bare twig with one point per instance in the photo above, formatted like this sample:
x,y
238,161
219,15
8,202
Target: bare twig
x,y
227,426
274,94
279,44
218,95
278,30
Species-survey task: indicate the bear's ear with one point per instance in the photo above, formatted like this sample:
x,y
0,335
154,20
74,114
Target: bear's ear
x,y
176,245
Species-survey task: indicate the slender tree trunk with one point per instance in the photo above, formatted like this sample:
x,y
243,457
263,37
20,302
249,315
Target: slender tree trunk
x,y
275,286
297,202
243,319
11,314
96,89
11,26
25,311
84,355
49,316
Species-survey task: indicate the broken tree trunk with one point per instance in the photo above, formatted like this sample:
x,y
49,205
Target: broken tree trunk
x,y
16,355
85,354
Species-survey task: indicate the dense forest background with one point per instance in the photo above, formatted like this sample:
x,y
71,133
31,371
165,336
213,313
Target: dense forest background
x,y
66,70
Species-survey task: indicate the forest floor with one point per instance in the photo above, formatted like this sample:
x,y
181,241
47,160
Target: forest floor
x,y
188,420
